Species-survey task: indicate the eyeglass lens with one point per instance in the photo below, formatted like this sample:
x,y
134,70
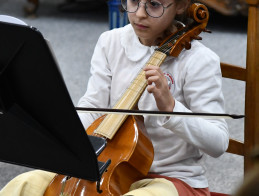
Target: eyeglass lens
x,y
153,8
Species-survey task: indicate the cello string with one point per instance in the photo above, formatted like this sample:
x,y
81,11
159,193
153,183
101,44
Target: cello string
x,y
165,48
76,186
71,189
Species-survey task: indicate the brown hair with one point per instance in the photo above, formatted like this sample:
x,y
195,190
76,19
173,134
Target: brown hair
x,y
184,17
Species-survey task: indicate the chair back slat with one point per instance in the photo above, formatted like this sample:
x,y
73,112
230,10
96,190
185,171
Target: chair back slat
x,y
233,71
236,147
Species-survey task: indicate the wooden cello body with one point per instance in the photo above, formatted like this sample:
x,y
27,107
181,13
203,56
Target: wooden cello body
x,y
128,147
131,153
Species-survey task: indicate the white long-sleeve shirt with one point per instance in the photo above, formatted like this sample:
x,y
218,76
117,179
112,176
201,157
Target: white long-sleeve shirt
x,y
194,78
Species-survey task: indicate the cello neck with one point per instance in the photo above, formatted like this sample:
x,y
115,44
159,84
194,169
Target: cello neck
x,y
129,99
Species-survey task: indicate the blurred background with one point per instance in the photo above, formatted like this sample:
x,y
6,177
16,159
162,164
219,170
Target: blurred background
x,y
73,28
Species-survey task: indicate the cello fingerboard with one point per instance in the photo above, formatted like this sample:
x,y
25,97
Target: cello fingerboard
x,y
129,99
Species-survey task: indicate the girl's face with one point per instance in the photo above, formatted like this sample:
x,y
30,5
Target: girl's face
x,y
149,29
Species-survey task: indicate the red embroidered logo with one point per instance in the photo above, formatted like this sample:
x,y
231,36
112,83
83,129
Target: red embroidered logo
x,y
170,81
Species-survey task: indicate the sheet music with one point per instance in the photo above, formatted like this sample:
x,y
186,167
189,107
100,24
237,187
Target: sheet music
x,y
10,19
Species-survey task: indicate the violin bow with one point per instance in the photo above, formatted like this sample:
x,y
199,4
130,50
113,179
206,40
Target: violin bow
x,y
158,113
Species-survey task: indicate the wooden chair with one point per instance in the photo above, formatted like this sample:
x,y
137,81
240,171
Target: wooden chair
x,y
250,75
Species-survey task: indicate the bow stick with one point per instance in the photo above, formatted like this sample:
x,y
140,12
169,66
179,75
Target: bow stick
x,y
157,113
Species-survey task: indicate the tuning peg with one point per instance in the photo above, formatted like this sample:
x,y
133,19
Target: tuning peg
x,y
187,45
197,37
207,31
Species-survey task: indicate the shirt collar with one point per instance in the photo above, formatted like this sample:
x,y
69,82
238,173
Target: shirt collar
x,y
134,50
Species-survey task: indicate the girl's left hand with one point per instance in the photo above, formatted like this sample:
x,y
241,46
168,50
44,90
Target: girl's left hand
x,y
158,86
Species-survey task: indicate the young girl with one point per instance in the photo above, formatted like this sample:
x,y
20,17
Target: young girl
x,y
189,83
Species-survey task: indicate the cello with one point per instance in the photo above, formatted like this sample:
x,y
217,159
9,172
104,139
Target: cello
x,y
128,148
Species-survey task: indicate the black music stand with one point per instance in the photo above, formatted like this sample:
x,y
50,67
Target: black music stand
x,y
39,126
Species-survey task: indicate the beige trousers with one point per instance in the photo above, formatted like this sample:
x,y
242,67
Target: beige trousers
x,y
31,183
35,182
152,187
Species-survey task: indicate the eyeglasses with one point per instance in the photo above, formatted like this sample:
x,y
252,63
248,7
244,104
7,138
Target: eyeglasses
x,y
153,8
